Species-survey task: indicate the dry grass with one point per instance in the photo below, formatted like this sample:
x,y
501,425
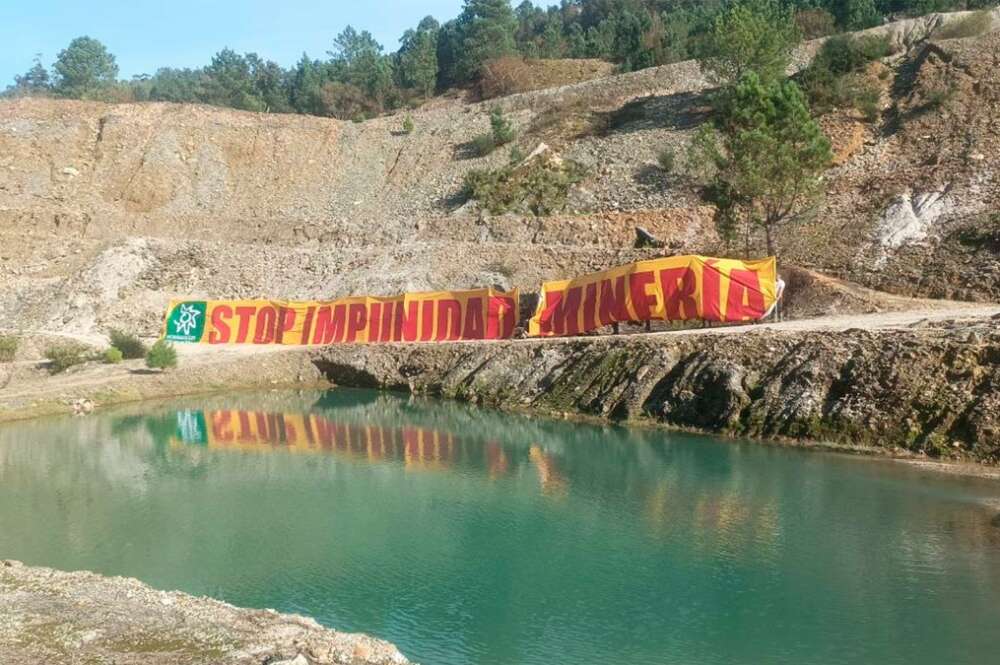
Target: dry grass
x,y
562,123
510,76
973,25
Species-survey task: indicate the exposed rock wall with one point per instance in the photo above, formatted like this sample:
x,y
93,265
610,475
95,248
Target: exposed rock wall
x,y
933,389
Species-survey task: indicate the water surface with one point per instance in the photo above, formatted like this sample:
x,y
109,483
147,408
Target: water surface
x,y
470,537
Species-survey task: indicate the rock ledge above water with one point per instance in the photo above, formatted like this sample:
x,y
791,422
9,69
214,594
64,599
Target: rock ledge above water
x,y
48,616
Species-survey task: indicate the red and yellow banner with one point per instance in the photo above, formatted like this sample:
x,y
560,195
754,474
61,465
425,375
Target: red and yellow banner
x,y
677,288
413,317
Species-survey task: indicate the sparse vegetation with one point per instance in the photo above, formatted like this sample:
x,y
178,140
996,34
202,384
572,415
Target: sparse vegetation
x,y
482,145
112,356
8,348
937,97
504,76
667,159
501,133
408,124
565,122
65,355
814,23
129,344
540,186
500,268
846,53
515,74
974,24
837,78
501,129
162,355
866,100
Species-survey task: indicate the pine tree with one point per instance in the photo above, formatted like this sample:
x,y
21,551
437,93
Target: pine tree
x,y
752,36
83,68
229,82
35,80
856,14
576,41
418,57
487,32
358,60
162,355
763,159
553,45
306,86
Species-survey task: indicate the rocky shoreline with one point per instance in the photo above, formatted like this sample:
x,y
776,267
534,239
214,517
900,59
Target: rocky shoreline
x,y
57,617
914,386
932,389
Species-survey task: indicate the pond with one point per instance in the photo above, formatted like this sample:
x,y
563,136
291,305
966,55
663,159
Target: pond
x,y
468,536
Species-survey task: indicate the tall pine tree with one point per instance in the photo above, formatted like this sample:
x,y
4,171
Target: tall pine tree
x,y
35,80
487,30
83,68
763,159
418,57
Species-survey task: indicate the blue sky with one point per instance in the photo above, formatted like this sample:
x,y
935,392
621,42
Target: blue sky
x,y
147,34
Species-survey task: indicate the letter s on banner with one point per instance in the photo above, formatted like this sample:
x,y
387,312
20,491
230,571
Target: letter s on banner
x,y
433,316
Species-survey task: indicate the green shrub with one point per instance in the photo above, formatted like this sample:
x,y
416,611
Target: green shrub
x,y
8,348
63,356
503,132
974,24
836,77
130,345
408,124
867,101
667,160
540,187
483,145
112,356
162,355
843,54
937,97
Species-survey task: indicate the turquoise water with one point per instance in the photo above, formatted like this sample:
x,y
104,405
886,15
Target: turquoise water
x,y
468,536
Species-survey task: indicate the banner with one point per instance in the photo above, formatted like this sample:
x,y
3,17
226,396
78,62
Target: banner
x,y
412,317
677,288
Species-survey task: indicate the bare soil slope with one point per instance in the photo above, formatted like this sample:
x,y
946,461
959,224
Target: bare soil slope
x,y
108,210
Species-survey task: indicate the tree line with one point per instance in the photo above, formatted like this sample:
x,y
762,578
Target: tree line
x,y
359,79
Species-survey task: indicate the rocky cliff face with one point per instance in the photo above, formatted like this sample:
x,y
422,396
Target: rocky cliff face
x,y
932,389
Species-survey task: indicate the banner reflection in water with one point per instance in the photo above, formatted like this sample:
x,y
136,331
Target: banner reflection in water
x,y
418,447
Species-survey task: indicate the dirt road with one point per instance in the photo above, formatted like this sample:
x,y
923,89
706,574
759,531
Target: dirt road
x,y
32,391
